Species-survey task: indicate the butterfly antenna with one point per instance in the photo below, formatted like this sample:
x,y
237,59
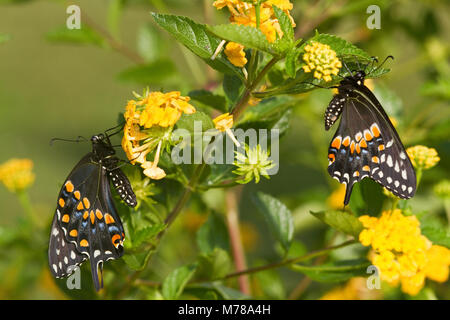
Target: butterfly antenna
x,y
384,61
374,59
119,127
79,139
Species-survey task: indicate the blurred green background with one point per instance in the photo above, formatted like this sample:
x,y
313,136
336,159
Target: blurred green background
x,y
52,88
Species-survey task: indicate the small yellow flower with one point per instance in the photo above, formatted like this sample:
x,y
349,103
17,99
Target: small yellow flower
x,y
235,54
147,123
402,254
223,122
16,174
423,157
321,59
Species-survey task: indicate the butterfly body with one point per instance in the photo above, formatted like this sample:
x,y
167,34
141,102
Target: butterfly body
x,y
86,224
366,143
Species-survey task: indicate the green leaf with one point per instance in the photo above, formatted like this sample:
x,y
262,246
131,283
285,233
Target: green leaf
x,y
367,198
175,282
146,234
233,88
213,265
337,272
213,234
292,62
287,41
278,217
341,221
187,121
438,236
85,35
267,110
209,99
137,261
195,37
247,36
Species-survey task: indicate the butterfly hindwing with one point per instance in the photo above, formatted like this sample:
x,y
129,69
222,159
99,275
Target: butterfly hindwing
x,y
367,145
86,224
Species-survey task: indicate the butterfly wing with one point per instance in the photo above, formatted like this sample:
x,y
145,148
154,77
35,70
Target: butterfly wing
x,y
367,145
86,223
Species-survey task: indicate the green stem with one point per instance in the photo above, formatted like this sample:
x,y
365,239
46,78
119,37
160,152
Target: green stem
x,y
243,102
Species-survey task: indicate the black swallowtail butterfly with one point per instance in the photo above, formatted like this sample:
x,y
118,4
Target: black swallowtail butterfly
x,y
366,143
86,224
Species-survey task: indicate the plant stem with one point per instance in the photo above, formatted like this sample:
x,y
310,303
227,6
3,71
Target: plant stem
x,y
243,102
288,261
24,200
231,200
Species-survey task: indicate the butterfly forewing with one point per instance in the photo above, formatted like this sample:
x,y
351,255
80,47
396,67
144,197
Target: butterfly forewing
x,y
367,145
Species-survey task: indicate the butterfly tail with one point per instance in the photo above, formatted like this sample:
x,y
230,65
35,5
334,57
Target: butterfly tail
x,y
348,193
97,274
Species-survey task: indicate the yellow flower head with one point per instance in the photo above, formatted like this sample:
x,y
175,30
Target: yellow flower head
x,y
235,54
146,122
423,157
16,174
321,59
223,122
354,289
401,253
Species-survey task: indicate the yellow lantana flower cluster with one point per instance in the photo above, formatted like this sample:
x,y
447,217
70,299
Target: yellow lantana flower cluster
x,y
17,174
244,13
321,59
401,253
423,157
145,123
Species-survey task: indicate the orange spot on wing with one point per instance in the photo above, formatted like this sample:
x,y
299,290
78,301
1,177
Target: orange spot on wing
x,y
363,143
77,195
61,202
375,130
367,135
69,186
336,143
65,218
356,174
73,233
85,215
80,206
84,243
358,148
381,147
366,168
109,219
92,216
331,157
375,159
86,202
346,141
352,147
99,214
114,239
